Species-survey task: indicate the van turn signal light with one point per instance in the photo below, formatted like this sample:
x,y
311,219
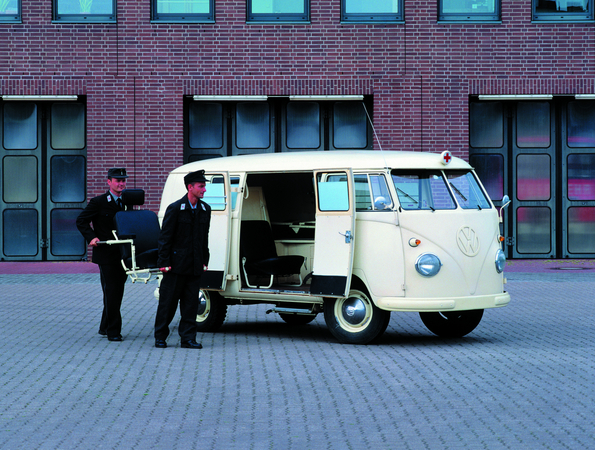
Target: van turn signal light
x,y
414,242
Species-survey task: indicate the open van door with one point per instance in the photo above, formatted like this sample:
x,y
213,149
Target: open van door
x,y
334,237
218,196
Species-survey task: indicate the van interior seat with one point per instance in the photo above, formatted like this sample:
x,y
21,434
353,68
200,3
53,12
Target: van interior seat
x,y
259,254
142,226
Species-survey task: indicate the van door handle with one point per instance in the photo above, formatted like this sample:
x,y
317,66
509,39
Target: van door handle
x,y
348,236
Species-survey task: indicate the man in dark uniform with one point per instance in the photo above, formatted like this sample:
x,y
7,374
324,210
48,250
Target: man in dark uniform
x,y
183,256
101,211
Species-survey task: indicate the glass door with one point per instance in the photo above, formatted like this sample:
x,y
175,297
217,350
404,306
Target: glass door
x,y
42,177
578,179
534,180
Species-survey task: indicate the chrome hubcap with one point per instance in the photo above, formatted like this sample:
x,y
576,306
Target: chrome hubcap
x,y
353,311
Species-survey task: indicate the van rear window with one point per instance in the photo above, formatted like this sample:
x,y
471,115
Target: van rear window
x,y
422,190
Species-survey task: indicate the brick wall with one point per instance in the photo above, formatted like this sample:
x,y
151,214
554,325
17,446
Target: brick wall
x,y
421,73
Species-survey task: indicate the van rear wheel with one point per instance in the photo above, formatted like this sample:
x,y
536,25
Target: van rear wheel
x,y
355,319
211,311
452,323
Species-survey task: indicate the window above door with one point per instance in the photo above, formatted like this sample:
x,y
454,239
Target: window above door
x,y
84,11
469,10
562,10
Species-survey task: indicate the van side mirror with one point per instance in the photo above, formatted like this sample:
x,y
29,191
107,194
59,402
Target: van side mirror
x,y
505,202
381,203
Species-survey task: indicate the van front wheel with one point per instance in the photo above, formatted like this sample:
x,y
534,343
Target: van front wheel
x,y
355,319
211,311
452,324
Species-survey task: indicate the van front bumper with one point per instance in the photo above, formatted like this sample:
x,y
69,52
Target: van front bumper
x,y
443,304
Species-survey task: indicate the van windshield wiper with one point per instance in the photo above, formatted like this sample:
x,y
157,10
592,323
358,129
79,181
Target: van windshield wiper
x,y
402,191
458,192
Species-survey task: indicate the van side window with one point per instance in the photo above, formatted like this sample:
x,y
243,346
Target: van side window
x,y
235,183
363,201
371,191
422,190
466,190
380,194
215,193
333,192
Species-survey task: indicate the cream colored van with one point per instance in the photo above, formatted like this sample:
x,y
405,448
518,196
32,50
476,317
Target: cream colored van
x,y
353,235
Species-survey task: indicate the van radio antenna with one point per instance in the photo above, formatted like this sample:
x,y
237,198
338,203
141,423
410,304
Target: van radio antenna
x,y
375,135
372,125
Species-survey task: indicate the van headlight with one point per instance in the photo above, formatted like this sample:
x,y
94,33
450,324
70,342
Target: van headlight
x,y
500,261
428,265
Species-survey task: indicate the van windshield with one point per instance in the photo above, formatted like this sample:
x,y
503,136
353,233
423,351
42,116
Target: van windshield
x,y
466,189
422,190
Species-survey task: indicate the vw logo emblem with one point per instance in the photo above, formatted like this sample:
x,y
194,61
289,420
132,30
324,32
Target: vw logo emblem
x,y
468,241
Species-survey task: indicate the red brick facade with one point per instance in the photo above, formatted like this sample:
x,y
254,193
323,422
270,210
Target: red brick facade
x,y
421,73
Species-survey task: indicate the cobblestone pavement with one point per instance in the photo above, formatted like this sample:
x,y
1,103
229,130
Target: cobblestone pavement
x,y
524,379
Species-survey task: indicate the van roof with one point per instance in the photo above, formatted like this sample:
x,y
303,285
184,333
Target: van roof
x,y
308,161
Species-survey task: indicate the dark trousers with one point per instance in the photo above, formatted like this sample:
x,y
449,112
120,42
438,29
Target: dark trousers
x,y
113,278
174,288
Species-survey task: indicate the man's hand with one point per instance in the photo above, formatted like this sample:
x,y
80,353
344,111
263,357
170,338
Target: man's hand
x,y
165,269
94,242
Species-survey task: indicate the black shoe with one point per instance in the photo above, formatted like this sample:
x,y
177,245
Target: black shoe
x,y
160,343
191,344
115,338
102,332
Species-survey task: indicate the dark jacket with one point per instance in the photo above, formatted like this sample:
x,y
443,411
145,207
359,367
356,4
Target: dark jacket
x,y
184,238
100,212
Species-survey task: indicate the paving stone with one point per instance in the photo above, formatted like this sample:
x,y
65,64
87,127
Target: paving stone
x,y
522,380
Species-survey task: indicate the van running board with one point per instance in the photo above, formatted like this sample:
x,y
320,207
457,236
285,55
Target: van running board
x,y
276,291
291,311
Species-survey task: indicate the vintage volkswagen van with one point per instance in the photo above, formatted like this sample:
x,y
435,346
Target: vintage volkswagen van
x,y
352,235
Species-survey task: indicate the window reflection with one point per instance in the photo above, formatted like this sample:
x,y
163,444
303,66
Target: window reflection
x,y
19,179
581,176
561,5
19,231
486,126
66,240
253,125
350,129
533,177
67,175
533,124
562,10
20,126
533,230
490,170
303,125
68,126
206,125
581,117
581,230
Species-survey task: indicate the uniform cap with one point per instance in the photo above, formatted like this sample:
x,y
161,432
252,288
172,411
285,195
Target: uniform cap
x,y
117,173
195,177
